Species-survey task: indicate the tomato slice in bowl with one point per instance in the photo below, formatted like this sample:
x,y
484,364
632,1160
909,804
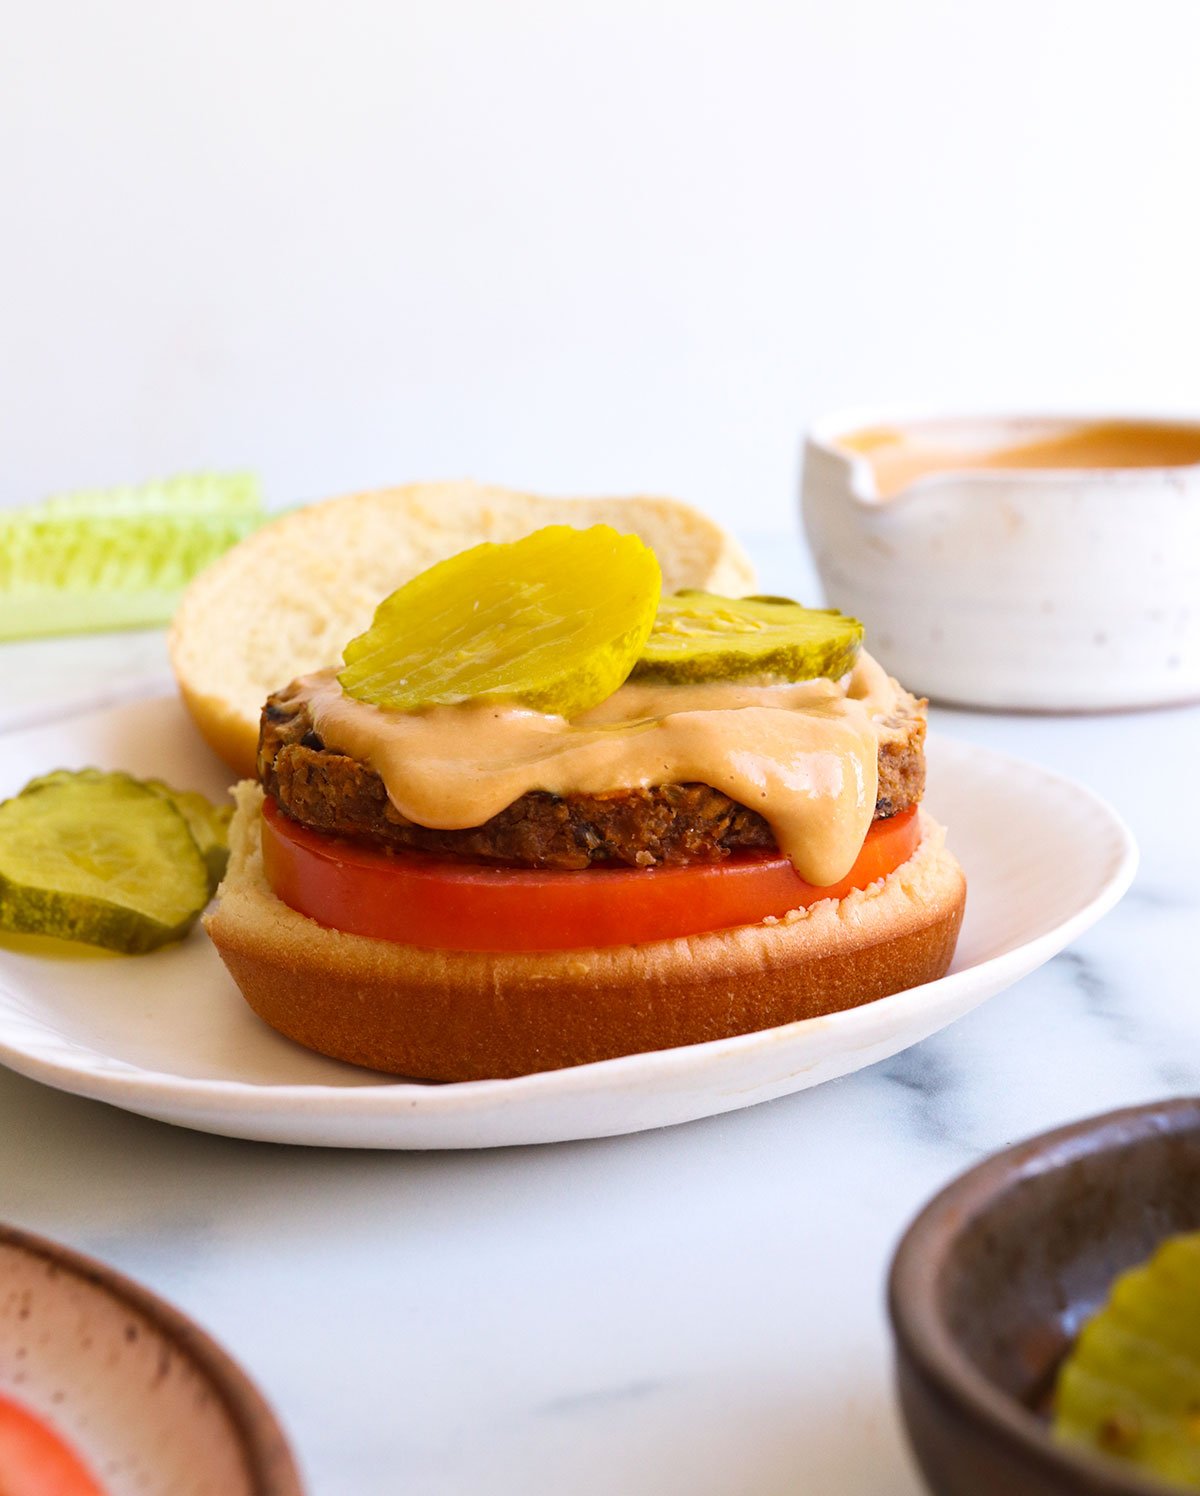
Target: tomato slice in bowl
x,y
35,1461
440,903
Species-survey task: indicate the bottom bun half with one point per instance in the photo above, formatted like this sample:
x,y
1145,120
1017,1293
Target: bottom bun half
x,y
471,1015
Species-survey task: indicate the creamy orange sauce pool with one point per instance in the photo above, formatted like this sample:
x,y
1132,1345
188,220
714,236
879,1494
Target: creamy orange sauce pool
x,y
804,755
900,455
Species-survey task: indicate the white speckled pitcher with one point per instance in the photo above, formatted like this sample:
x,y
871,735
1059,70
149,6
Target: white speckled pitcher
x,y
1049,589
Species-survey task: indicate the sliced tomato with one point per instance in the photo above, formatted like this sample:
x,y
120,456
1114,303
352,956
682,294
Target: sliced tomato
x,y
35,1461
442,904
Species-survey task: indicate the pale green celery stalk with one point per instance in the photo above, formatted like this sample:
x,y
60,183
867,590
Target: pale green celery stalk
x,y
117,558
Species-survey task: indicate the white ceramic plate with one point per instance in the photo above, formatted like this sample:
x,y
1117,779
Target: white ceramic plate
x,y
168,1035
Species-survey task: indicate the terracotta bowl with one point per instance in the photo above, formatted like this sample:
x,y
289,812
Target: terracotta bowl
x,y
994,1277
146,1397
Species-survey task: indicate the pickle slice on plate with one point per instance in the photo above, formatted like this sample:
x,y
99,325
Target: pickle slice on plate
x,y
1131,1384
554,621
698,636
98,858
208,823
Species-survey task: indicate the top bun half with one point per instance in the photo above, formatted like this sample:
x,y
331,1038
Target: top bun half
x,y
286,600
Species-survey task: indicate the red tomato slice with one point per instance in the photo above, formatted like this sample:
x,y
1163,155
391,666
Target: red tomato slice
x,y
35,1461
442,904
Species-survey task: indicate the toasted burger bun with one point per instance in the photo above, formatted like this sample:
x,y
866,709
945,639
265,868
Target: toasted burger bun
x,y
286,600
466,1015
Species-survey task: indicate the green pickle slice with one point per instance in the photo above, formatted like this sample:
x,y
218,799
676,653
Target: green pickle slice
x,y
698,636
99,858
208,823
553,621
1131,1384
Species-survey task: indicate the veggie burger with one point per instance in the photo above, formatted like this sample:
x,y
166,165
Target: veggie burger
x,y
543,815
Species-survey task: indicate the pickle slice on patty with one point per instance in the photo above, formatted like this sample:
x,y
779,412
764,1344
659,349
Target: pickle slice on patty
x,y
554,621
698,636
98,858
1131,1384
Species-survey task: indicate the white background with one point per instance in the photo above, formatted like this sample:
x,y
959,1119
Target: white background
x,y
632,245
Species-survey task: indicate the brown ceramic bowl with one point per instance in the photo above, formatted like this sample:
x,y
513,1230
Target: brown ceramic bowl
x,y
145,1396
993,1279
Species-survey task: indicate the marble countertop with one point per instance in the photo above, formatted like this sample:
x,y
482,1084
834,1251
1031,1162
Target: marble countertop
x,y
694,1310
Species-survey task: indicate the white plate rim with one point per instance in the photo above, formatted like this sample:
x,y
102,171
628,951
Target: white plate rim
x,y
135,1088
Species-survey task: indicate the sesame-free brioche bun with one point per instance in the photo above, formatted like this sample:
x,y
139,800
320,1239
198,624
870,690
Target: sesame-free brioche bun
x,y
469,1015
288,598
